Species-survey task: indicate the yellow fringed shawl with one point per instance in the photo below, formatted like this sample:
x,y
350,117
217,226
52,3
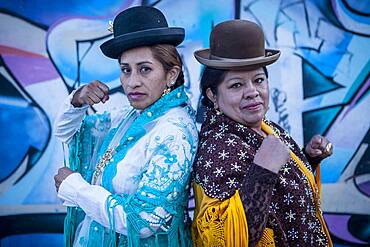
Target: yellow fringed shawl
x,y
223,223
311,179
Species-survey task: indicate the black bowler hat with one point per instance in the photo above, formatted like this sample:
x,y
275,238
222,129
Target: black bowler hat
x,y
140,26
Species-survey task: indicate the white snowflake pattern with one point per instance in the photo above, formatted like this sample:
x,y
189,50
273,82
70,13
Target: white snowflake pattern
x,y
294,184
246,145
293,234
273,222
205,179
232,183
223,155
230,142
321,241
303,218
223,127
311,239
213,119
277,131
309,209
289,145
311,225
241,127
218,135
288,199
200,159
242,155
207,133
283,181
219,172
208,164
211,148
252,139
204,144
308,192
273,191
290,216
301,201
286,169
214,189
235,167
286,134
305,237
274,206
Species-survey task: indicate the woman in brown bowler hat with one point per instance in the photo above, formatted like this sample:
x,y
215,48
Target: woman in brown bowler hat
x,y
254,186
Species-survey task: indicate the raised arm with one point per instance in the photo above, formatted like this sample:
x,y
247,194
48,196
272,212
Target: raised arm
x,y
73,110
259,182
225,181
159,202
317,149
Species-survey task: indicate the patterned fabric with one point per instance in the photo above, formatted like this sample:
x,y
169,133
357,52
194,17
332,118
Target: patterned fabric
x,y
145,184
284,202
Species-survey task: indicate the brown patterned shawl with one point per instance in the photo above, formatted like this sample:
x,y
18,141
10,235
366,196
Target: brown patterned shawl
x,y
284,201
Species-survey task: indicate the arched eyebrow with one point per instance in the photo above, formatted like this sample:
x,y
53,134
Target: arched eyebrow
x,y
241,78
260,73
137,64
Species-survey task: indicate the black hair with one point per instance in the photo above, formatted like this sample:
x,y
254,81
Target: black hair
x,y
212,78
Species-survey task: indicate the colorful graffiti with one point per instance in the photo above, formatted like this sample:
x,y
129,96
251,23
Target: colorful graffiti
x,y
320,85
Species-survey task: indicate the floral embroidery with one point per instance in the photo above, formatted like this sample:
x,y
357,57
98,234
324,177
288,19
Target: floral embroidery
x,y
170,159
163,180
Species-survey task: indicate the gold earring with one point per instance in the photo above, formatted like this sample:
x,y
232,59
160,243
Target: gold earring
x,y
166,91
218,112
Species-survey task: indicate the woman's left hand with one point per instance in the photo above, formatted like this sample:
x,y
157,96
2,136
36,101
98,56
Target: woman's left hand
x,y
63,173
319,147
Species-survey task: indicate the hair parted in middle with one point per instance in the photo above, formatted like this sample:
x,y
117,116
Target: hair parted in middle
x,y
212,78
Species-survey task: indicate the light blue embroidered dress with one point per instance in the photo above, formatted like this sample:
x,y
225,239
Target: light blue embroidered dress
x,y
141,196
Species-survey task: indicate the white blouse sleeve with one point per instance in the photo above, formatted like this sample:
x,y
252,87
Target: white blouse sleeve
x,y
162,186
68,120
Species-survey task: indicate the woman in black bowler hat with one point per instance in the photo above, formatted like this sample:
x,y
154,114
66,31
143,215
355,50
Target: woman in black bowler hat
x,y
131,188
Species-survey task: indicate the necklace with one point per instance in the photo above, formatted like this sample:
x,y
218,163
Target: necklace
x,y
131,129
107,156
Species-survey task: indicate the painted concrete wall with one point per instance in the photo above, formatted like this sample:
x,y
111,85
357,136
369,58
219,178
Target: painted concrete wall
x,y
320,85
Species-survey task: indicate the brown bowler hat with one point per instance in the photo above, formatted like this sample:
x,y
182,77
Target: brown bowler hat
x,y
235,45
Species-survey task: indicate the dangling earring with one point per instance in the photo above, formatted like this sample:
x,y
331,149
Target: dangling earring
x,y
218,112
168,89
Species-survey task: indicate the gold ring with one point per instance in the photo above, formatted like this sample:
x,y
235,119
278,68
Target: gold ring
x,y
329,148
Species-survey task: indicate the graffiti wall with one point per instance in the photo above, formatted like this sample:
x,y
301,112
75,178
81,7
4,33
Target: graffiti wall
x,y
320,85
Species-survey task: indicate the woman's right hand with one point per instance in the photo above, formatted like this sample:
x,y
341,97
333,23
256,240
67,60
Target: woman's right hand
x,y
272,154
90,94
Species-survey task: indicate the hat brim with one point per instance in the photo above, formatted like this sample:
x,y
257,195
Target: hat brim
x,y
113,48
204,57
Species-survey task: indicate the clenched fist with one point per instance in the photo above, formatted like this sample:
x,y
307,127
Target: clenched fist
x,y
272,154
90,94
63,173
319,147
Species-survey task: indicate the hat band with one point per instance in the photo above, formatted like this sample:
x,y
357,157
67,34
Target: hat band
x,y
235,59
